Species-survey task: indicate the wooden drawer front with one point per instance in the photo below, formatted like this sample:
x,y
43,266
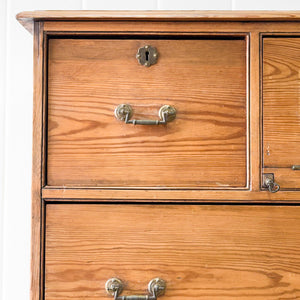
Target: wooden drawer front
x,y
281,109
204,78
203,252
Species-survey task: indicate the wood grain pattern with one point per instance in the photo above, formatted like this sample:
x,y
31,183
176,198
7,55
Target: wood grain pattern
x,y
281,106
36,207
87,27
254,107
203,252
206,146
287,179
26,18
187,195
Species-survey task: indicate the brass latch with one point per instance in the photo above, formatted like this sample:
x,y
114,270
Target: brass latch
x,y
269,183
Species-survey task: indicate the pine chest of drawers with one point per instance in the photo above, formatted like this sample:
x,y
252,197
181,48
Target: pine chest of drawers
x,y
166,153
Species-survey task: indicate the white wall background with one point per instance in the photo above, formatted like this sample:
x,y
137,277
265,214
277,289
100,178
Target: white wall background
x,y
16,118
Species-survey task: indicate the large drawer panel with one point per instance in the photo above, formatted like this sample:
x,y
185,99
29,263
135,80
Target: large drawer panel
x,y
281,109
203,252
204,78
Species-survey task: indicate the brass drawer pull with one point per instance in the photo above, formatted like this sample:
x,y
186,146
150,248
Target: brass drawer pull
x,y
270,184
156,288
124,112
296,167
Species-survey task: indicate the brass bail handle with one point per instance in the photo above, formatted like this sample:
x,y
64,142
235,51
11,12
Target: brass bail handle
x,y
156,288
124,112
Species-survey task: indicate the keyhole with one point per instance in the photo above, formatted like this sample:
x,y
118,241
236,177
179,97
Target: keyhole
x,y
147,55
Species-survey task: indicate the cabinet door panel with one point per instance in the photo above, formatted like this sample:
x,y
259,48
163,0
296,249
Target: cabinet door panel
x,y
281,109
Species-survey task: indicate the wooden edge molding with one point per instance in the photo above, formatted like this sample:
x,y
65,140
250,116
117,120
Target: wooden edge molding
x,y
37,205
152,196
28,17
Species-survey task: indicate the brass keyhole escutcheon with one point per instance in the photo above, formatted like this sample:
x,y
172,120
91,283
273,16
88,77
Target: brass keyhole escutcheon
x,y
147,56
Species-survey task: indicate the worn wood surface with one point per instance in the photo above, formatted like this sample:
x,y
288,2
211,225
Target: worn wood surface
x,y
254,112
281,108
36,208
203,252
215,252
287,178
79,28
205,80
186,195
26,18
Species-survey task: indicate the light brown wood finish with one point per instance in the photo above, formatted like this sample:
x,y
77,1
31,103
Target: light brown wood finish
x,y
203,252
204,79
185,195
254,111
286,177
26,18
159,15
220,251
79,28
37,209
281,108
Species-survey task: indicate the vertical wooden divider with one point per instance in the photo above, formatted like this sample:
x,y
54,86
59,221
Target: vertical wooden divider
x,y
37,209
254,111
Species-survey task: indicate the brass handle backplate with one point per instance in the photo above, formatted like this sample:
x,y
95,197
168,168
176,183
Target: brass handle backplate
x,y
115,286
269,183
124,112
